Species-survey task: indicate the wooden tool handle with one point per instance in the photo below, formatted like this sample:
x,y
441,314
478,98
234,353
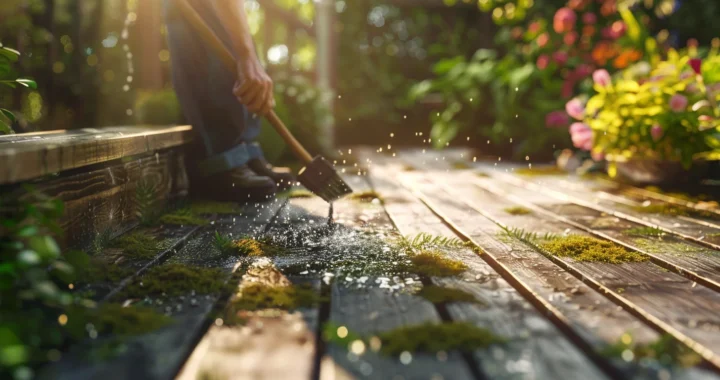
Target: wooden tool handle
x,y
226,56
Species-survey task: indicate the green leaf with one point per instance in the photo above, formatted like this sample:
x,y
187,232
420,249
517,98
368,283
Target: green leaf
x,y
7,114
64,271
484,54
633,27
8,83
446,65
10,54
45,246
29,83
27,231
13,355
5,128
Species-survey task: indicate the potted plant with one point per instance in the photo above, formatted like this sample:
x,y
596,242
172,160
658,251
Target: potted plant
x,y
654,121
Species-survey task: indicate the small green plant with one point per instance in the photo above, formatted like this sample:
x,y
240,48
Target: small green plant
x,y
9,56
222,243
436,337
585,248
184,217
427,241
174,280
644,231
434,264
528,236
146,200
443,295
518,210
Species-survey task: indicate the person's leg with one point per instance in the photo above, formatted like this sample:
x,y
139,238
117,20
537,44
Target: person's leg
x,y
204,89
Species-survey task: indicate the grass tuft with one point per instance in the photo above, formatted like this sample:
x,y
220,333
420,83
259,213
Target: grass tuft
x,y
584,248
518,210
441,295
530,237
426,241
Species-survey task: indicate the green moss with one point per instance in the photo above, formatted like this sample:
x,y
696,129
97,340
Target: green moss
x,y
100,271
665,350
183,217
482,174
434,264
138,245
442,295
432,338
517,210
339,334
210,208
131,320
260,296
255,248
678,195
175,280
644,231
540,171
365,196
298,193
460,165
584,248
675,210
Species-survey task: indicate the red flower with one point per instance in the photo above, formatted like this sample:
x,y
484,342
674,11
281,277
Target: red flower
x,y
564,20
556,119
542,62
695,63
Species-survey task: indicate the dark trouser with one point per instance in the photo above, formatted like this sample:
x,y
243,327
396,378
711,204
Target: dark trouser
x,y
224,129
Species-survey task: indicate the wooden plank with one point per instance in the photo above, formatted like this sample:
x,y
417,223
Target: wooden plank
x,y
662,299
683,257
363,301
26,157
160,355
543,350
686,228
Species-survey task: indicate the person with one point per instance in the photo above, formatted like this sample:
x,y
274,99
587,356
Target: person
x,y
225,108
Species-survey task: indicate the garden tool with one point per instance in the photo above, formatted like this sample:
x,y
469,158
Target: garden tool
x,y
318,175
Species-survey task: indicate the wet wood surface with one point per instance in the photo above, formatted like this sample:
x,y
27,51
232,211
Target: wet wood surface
x,y
30,156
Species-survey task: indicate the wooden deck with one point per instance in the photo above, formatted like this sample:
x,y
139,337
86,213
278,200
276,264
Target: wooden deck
x,y
556,316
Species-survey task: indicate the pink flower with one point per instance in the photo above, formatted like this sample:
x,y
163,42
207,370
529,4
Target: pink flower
x,y
583,70
617,29
564,20
656,132
705,118
589,18
678,103
542,62
570,38
695,63
597,156
534,27
575,108
543,39
581,135
560,57
556,119
602,78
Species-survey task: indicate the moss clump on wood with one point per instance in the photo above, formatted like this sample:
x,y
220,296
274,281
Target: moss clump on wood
x,y
183,217
434,264
261,296
442,295
517,210
676,210
460,165
365,196
130,320
432,338
540,171
175,280
100,271
254,248
666,350
298,193
644,231
138,245
209,208
584,248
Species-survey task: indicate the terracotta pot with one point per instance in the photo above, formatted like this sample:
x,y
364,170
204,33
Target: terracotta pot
x,y
653,172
